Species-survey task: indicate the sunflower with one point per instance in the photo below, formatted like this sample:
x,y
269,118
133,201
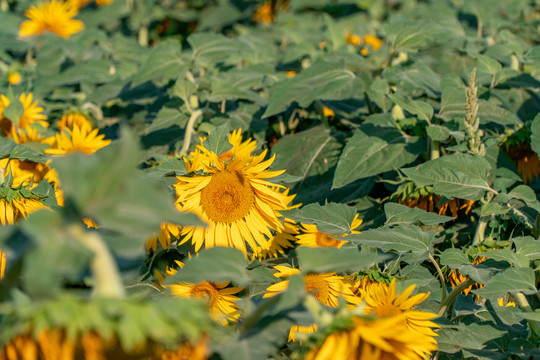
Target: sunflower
x,y
3,261
457,278
353,39
90,224
167,231
264,14
26,135
221,299
382,301
24,172
54,16
327,288
312,237
14,78
17,208
503,302
199,351
379,339
81,138
279,242
70,119
232,196
32,114
300,329
373,41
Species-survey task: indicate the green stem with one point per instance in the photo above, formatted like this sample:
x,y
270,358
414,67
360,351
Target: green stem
x,y
526,307
434,150
189,130
143,35
447,303
320,109
441,277
479,233
107,280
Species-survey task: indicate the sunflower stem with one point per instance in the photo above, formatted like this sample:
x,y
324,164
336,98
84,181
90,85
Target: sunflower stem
x,y
107,280
526,307
320,109
479,233
189,130
449,300
441,277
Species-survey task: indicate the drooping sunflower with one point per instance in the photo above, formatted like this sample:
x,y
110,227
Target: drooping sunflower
x,y
382,301
167,231
301,329
379,339
327,288
80,138
279,242
221,300
232,196
312,237
54,16
32,114
457,278
17,208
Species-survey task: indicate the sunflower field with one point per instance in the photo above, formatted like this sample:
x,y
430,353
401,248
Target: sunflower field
x,y
281,179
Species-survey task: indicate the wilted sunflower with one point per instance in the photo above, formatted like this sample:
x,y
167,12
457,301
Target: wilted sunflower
x,y
312,237
32,114
54,16
232,196
379,339
81,138
382,301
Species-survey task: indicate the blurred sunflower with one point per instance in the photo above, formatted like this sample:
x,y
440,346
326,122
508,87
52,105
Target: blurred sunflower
x,y
528,164
54,16
70,119
32,114
14,78
379,339
312,237
81,138
165,236
457,278
24,172
264,14
382,301
279,242
300,329
17,208
232,196
3,261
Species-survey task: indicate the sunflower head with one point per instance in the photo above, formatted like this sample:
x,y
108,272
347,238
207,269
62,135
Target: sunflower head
x,y
54,16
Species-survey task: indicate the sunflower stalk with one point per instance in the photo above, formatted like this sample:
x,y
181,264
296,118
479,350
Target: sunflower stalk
x,y
472,122
526,307
441,277
448,302
189,130
107,280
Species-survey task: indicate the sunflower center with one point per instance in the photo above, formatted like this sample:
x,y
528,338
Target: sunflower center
x,y
228,197
324,240
205,290
317,285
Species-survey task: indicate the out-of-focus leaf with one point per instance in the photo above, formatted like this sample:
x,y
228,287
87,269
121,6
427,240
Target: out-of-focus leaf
x,y
454,176
421,109
438,132
163,63
323,260
331,218
14,111
486,63
397,214
535,134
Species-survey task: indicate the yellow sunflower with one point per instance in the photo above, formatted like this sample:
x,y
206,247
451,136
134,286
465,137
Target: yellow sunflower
x,y
457,278
379,339
327,288
26,135
312,237
199,351
279,242
264,14
90,224
32,114
70,119
81,138
221,299
24,172
14,78
54,16
167,231
300,329
3,261
233,198
382,301
17,208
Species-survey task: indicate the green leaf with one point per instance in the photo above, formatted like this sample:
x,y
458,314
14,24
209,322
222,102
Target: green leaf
x,y
170,167
456,259
409,36
26,152
218,140
419,108
218,264
454,176
438,132
509,281
14,111
507,255
525,194
184,87
397,214
487,64
163,63
402,238
321,81
212,48
323,260
535,134
373,150
527,246
331,218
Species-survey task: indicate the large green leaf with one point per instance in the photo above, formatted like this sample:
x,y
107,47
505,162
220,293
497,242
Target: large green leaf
x,y
454,176
163,63
457,260
421,109
373,150
397,214
402,238
527,246
218,140
330,218
323,260
535,134
509,281
321,81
